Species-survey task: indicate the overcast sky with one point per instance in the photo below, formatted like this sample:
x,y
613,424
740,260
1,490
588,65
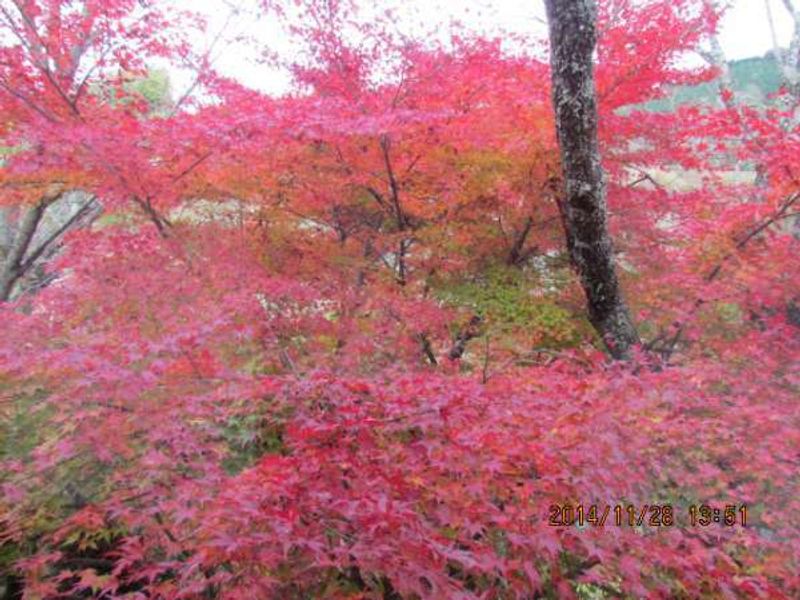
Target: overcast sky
x,y
745,29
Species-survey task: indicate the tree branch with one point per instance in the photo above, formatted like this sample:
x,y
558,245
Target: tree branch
x,y
77,216
471,331
427,348
12,268
516,256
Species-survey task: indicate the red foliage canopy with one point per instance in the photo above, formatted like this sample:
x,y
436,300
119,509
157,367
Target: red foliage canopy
x,y
259,396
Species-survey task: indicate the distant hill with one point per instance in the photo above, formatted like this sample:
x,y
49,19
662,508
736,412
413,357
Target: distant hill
x,y
754,79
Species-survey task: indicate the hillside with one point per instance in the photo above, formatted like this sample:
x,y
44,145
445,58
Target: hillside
x,y
754,79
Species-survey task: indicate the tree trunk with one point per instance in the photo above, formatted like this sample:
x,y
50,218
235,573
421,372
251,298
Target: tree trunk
x,y
11,269
572,43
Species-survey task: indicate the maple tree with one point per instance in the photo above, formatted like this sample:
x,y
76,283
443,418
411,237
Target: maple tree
x,y
330,344
573,38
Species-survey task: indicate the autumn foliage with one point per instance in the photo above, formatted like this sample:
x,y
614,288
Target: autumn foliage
x,y
329,344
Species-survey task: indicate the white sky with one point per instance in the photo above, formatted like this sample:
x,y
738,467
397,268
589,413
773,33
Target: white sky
x,y
745,29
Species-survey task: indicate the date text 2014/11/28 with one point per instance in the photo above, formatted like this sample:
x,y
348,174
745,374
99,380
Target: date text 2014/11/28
x,y
647,515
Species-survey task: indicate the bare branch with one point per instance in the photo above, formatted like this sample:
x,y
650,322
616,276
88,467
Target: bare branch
x,y
82,212
12,268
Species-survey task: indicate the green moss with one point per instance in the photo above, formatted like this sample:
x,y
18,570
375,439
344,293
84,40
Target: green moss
x,y
510,301
730,312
